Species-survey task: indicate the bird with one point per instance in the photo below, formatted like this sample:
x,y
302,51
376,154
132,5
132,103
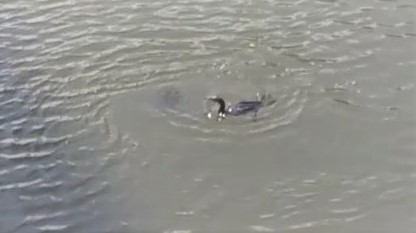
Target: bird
x,y
240,108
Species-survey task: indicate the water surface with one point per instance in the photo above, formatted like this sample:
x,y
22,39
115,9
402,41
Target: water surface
x,y
102,125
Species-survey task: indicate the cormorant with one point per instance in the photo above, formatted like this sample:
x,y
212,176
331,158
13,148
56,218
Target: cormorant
x,y
240,108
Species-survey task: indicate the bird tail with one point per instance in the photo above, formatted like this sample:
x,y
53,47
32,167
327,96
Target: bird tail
x,y
267,99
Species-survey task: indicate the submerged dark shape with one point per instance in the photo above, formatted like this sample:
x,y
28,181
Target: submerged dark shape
x,y
242,107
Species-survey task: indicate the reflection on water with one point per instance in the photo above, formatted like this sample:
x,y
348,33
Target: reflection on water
x,y
103,129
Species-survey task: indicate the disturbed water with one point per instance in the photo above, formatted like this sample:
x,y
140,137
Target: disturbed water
x,y
103,126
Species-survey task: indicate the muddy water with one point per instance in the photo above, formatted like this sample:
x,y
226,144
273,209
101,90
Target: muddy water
x,y
103,125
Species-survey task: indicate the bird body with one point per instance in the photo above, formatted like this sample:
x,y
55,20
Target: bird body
x,y
243,107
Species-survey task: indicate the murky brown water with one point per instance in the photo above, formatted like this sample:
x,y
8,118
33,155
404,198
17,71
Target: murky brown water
x,y
102,125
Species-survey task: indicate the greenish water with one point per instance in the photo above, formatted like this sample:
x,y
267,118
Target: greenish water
x,y
103,129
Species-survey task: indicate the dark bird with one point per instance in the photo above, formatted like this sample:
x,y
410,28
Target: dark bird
x,y
240,108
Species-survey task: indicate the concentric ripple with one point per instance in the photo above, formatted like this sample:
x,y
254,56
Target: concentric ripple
x,y
181,105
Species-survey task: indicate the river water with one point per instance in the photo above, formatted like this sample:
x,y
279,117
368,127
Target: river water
x,y
103,126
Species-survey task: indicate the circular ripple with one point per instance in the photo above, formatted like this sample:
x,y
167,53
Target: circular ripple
x,y
182,106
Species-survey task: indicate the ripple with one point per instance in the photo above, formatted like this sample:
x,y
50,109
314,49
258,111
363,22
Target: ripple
x,y
258,228
19,185
184,111
54,227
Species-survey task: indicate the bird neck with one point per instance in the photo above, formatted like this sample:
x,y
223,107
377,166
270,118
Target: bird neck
x,y
221,102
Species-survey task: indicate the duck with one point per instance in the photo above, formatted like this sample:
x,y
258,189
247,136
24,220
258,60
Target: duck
x,y
240,108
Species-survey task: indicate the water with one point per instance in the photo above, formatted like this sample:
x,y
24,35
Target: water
x,y
102,125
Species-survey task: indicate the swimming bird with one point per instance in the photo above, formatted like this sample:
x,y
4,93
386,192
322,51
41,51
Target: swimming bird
x,y
240,108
